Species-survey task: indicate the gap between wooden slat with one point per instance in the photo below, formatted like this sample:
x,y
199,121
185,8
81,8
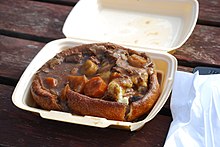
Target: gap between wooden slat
x,y
65,3
165,111
8,81
25,36
195,64
208,23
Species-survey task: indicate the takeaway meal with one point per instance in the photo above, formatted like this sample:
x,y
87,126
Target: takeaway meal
x,y
100,79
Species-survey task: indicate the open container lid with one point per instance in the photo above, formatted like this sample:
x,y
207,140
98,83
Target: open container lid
x,y
162,25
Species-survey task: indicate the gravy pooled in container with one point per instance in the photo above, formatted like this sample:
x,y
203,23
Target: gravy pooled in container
x,y
100,79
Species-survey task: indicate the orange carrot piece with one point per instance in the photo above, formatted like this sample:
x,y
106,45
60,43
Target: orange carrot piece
x,y
51,82
95,87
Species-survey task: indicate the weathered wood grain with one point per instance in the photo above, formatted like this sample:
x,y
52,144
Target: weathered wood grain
x,y
22,128
184,68
33,18
202,48
15,55
209,11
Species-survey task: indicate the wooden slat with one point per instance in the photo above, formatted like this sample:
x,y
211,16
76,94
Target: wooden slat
x,y
185,69
209,11
59,1
45,20
70,1
65,2
35,18
202,48
15,55
22,128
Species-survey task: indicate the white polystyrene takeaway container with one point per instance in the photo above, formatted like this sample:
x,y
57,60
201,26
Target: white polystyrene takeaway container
x,y
153,26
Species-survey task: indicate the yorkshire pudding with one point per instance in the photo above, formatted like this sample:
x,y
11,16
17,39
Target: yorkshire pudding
x,y
100,79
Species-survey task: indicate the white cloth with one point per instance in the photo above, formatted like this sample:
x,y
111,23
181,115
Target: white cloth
x,y
195,108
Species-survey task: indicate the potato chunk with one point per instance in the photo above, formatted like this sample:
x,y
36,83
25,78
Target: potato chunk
x,y
117,89
77,83
89,68
115,75
95,87
116,92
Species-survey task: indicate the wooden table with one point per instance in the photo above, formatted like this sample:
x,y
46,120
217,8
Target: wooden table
x,y
26,26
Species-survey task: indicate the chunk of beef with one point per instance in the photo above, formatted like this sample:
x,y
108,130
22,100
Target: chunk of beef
x,y
74,58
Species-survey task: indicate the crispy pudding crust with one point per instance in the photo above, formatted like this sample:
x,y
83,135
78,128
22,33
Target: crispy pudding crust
x,y
100,79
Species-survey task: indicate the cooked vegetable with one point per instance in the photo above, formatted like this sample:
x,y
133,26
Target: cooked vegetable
x,y
124,82
63,92
77,83
116,92
89,68
105,76
95,87
143,79
115,75
118,87
51,82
